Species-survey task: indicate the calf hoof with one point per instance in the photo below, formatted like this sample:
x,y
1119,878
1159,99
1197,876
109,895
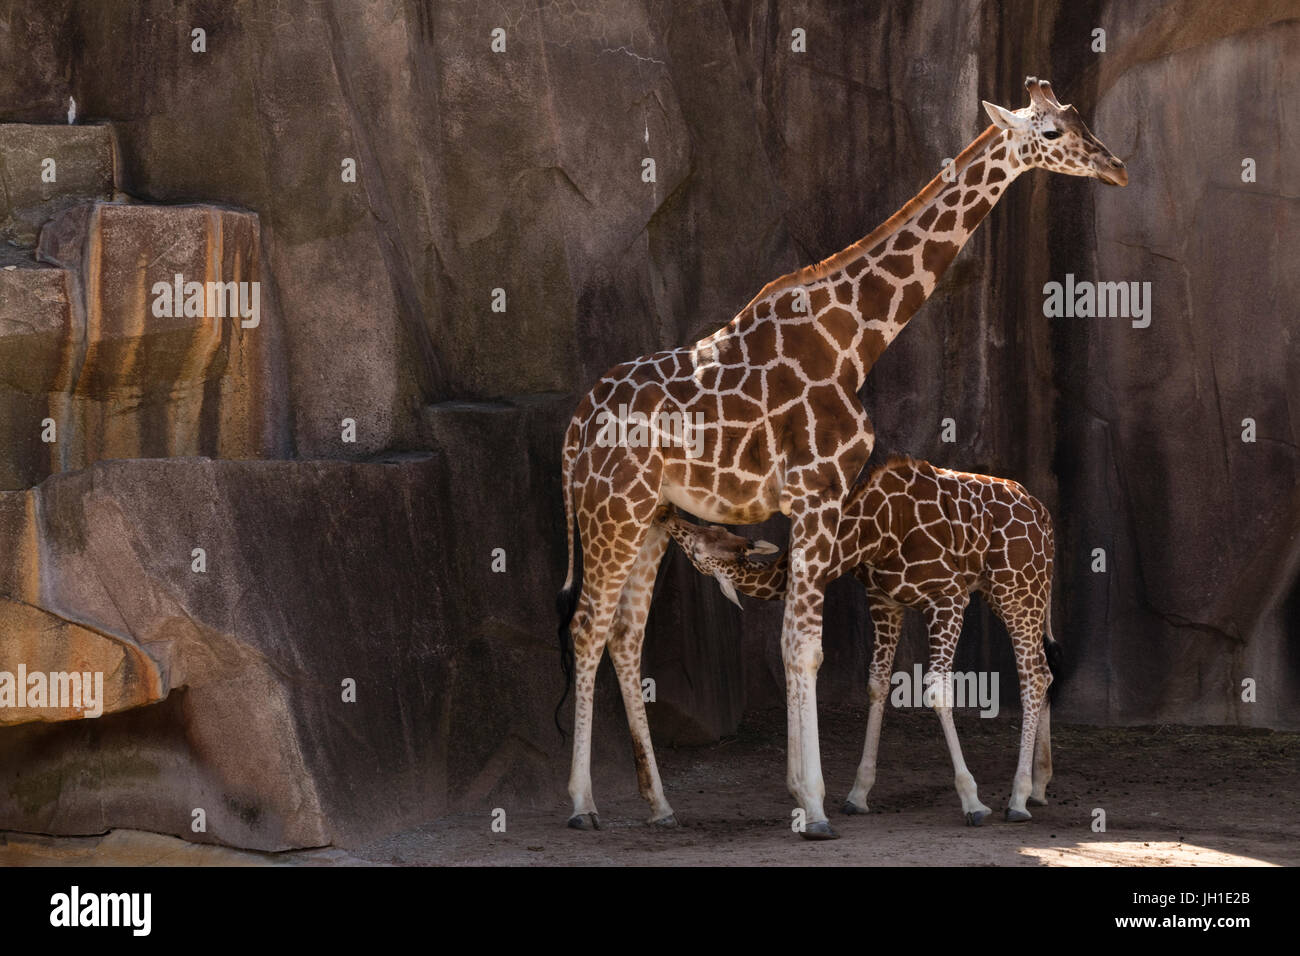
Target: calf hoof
x,y
1036,801
584,821
1017,816
820,830
852,809
668,823
976,818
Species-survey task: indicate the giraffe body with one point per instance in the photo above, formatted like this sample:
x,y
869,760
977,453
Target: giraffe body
x,y
770,406
927,538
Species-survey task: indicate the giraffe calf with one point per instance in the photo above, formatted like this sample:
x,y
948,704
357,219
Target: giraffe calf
x,y
925,537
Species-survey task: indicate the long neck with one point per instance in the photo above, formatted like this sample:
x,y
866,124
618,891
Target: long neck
x,y
865,294
901,269
763,581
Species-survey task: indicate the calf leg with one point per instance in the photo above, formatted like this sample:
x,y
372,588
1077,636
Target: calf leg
x,y
1035,678
944,620
887,621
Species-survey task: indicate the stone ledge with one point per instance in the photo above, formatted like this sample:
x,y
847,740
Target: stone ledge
x,y
84,169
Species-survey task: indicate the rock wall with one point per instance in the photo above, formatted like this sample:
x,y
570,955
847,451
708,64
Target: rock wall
x,y
521,171
1201,523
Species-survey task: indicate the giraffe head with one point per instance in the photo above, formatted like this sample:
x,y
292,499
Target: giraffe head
x,y
1054,137
716,551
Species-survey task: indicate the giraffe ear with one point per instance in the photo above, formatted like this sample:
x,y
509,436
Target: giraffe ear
x,y
763,547
727,588
1004,118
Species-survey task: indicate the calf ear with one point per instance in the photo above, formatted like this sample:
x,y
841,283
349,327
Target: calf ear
x,y
763,547
727,588
724,545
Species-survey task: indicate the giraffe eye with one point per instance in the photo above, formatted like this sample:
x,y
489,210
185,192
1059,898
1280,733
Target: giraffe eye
x,y
1051,134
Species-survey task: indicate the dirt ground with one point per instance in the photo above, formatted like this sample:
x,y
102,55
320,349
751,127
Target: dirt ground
x,y
1173,796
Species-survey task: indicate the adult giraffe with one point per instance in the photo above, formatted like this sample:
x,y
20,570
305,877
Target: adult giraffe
x,y
774,424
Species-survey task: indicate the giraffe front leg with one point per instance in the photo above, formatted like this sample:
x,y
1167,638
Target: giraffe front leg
x,y
812,549
625,649
944,621
887,621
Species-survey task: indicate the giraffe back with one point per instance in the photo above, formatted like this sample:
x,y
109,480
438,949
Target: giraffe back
x,y
942,533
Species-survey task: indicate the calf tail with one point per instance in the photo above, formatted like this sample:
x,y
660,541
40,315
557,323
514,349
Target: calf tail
x,y
1055,656
1051,648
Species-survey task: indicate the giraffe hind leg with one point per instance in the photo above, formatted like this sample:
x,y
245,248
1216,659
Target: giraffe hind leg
x,y
1042,772
602,588
625,645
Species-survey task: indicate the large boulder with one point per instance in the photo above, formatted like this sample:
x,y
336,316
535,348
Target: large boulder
x,y
320,583
44,169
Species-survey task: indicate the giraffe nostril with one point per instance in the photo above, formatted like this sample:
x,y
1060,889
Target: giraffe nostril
x,y
1117,162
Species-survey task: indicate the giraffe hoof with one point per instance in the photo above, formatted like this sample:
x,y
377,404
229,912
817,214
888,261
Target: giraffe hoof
x,y
1036,801
976,818
821,830
1017,816
584,821
852,809
668,823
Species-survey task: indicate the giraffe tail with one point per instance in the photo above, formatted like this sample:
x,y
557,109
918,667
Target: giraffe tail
x,y
1051,648
566,603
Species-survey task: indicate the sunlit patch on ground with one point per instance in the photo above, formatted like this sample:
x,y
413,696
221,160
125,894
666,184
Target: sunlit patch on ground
x,y
1138,853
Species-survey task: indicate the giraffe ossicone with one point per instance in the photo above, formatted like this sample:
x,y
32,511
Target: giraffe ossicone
x,y
783,430
927,538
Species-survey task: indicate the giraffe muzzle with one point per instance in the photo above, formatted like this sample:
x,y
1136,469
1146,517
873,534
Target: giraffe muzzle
x,y
1116,173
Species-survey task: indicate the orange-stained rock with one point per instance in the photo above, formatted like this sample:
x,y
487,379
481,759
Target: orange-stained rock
x,y
83,344
36,642
38,335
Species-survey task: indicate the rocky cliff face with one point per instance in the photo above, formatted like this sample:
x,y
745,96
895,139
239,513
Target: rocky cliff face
x,y
369,554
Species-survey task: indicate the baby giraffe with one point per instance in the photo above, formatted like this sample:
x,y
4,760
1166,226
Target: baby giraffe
x,y
925,537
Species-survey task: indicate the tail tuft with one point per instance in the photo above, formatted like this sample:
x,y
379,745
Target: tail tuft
x,y
1055,661
566,603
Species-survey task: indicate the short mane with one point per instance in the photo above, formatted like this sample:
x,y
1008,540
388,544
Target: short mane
x,y
821,270
893,461
896,459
